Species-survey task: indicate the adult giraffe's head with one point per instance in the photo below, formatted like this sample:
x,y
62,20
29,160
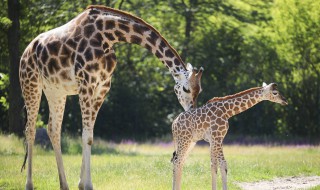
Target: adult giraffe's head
x,y
270,92
188,86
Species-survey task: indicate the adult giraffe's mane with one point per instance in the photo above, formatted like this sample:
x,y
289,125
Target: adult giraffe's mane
x,y
215,99
139,20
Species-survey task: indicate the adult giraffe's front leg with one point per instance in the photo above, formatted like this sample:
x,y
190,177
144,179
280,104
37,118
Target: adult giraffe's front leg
x,y
90,106
91,97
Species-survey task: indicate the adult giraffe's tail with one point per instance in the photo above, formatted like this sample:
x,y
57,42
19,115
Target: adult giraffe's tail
x,y
26,148
26,155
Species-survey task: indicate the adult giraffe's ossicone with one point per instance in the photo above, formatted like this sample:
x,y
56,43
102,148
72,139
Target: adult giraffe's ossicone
x,y
78,58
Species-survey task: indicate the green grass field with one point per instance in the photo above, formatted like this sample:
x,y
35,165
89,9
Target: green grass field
x,y
147,166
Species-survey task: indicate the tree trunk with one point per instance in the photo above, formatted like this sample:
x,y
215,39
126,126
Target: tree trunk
x,y
188,19
188,16
15,99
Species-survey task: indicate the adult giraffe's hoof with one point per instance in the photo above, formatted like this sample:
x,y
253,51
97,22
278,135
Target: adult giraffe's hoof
x,y
64,187
88,186
29,186
80,186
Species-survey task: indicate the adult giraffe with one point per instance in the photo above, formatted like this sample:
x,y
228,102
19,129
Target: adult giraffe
x,y
78,58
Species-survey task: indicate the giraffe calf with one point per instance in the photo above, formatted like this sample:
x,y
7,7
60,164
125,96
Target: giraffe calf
x,y
210,123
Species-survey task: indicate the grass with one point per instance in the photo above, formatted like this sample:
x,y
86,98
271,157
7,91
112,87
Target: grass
x,y
147,166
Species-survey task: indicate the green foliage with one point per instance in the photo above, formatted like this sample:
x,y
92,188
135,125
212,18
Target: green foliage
x,y
39,122
5,23
240,43
4,102
295,38
4,83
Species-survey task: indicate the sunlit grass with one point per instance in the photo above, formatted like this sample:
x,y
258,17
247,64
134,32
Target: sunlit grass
x,y
147,166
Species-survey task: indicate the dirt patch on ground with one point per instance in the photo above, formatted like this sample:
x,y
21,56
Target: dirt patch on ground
x,y
286,183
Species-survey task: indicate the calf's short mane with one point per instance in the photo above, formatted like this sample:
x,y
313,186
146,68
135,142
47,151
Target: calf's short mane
x,y
215,99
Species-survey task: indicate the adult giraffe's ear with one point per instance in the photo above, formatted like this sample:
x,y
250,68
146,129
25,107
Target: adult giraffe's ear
x,y
189,67
264,84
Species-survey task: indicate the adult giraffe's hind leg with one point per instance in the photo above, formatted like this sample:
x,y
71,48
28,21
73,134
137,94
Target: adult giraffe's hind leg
x,y
56,107
31,91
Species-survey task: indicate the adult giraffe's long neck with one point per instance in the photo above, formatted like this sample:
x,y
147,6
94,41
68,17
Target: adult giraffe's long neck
x,y
240,102
117,26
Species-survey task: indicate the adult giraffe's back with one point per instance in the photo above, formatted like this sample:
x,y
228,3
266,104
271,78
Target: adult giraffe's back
x,y
78,58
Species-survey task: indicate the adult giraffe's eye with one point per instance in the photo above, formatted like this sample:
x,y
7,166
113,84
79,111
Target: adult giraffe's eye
x,y
184,89
275,93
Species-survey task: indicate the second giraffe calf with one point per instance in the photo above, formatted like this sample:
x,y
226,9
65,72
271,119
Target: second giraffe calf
x,y
210,123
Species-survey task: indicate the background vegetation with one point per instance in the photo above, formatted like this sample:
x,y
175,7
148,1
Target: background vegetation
x,y
240,43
